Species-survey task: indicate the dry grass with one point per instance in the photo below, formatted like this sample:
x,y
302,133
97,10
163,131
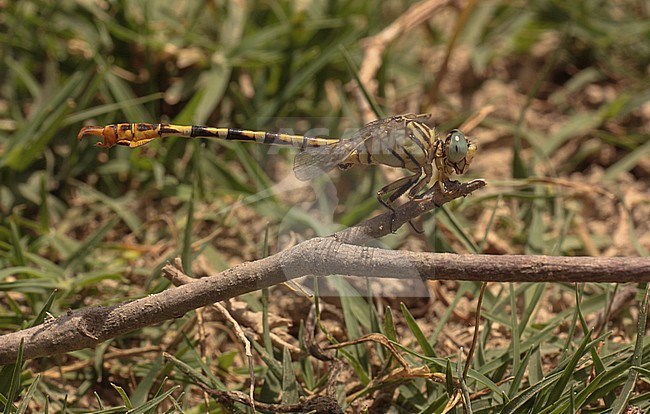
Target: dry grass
x,y
565,152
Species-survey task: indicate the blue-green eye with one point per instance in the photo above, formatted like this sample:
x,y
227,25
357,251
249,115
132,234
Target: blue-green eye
x,y
457,146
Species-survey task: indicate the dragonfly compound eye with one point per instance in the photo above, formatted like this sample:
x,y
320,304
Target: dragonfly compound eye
x,y
456,146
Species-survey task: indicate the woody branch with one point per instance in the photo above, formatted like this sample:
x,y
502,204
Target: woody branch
x,y
340,253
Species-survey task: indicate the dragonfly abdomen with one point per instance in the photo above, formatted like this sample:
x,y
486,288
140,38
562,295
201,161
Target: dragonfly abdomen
x,y
137,134
277,138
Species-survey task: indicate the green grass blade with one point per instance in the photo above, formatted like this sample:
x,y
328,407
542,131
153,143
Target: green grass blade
x,y
187,254
289,385
91,243
81,116
519,374
389,325
192,373
10,379
29,142
154,402
522,398
119,206
355,72
463,288
582,396
18,258
569,370
154,372
533,301
123,396
620,403
42,314
458,230
628,162
44,208
449,379
122,92
514,326
417,332
215,82
29,395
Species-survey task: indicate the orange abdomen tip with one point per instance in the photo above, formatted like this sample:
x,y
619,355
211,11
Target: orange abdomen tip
x,y
107,133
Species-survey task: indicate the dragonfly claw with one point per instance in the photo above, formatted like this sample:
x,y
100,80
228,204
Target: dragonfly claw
x,y
107,133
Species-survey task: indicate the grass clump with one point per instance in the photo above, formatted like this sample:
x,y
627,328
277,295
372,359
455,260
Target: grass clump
x,y
564,150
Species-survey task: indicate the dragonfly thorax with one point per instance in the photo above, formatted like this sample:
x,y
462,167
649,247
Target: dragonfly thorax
x,y
405,143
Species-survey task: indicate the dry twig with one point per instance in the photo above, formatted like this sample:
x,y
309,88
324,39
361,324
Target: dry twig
x,y
342,253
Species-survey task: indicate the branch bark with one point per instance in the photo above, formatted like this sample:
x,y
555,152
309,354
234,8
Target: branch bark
x,y
341,253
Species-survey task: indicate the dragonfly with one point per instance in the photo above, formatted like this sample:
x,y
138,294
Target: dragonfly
x,y
402,141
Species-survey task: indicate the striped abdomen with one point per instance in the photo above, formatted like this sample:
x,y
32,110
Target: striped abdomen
x,y
137,134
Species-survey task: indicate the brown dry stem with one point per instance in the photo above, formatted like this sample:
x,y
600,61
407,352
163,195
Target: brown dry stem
x,y
374,47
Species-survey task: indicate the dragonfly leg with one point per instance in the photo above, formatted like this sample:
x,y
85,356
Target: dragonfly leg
x,y
396,189
439,158
442,179
417,187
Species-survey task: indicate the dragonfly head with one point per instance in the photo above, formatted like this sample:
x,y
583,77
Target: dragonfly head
x,y
459,151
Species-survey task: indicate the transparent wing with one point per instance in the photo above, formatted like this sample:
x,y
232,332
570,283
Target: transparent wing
x,y
315,161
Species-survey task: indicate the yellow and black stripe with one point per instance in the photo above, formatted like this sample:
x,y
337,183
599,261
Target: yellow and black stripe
x,y
137,134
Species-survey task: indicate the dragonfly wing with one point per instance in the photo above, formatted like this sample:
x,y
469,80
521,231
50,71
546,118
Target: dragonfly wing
x,y
315,161
376,137
382,136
